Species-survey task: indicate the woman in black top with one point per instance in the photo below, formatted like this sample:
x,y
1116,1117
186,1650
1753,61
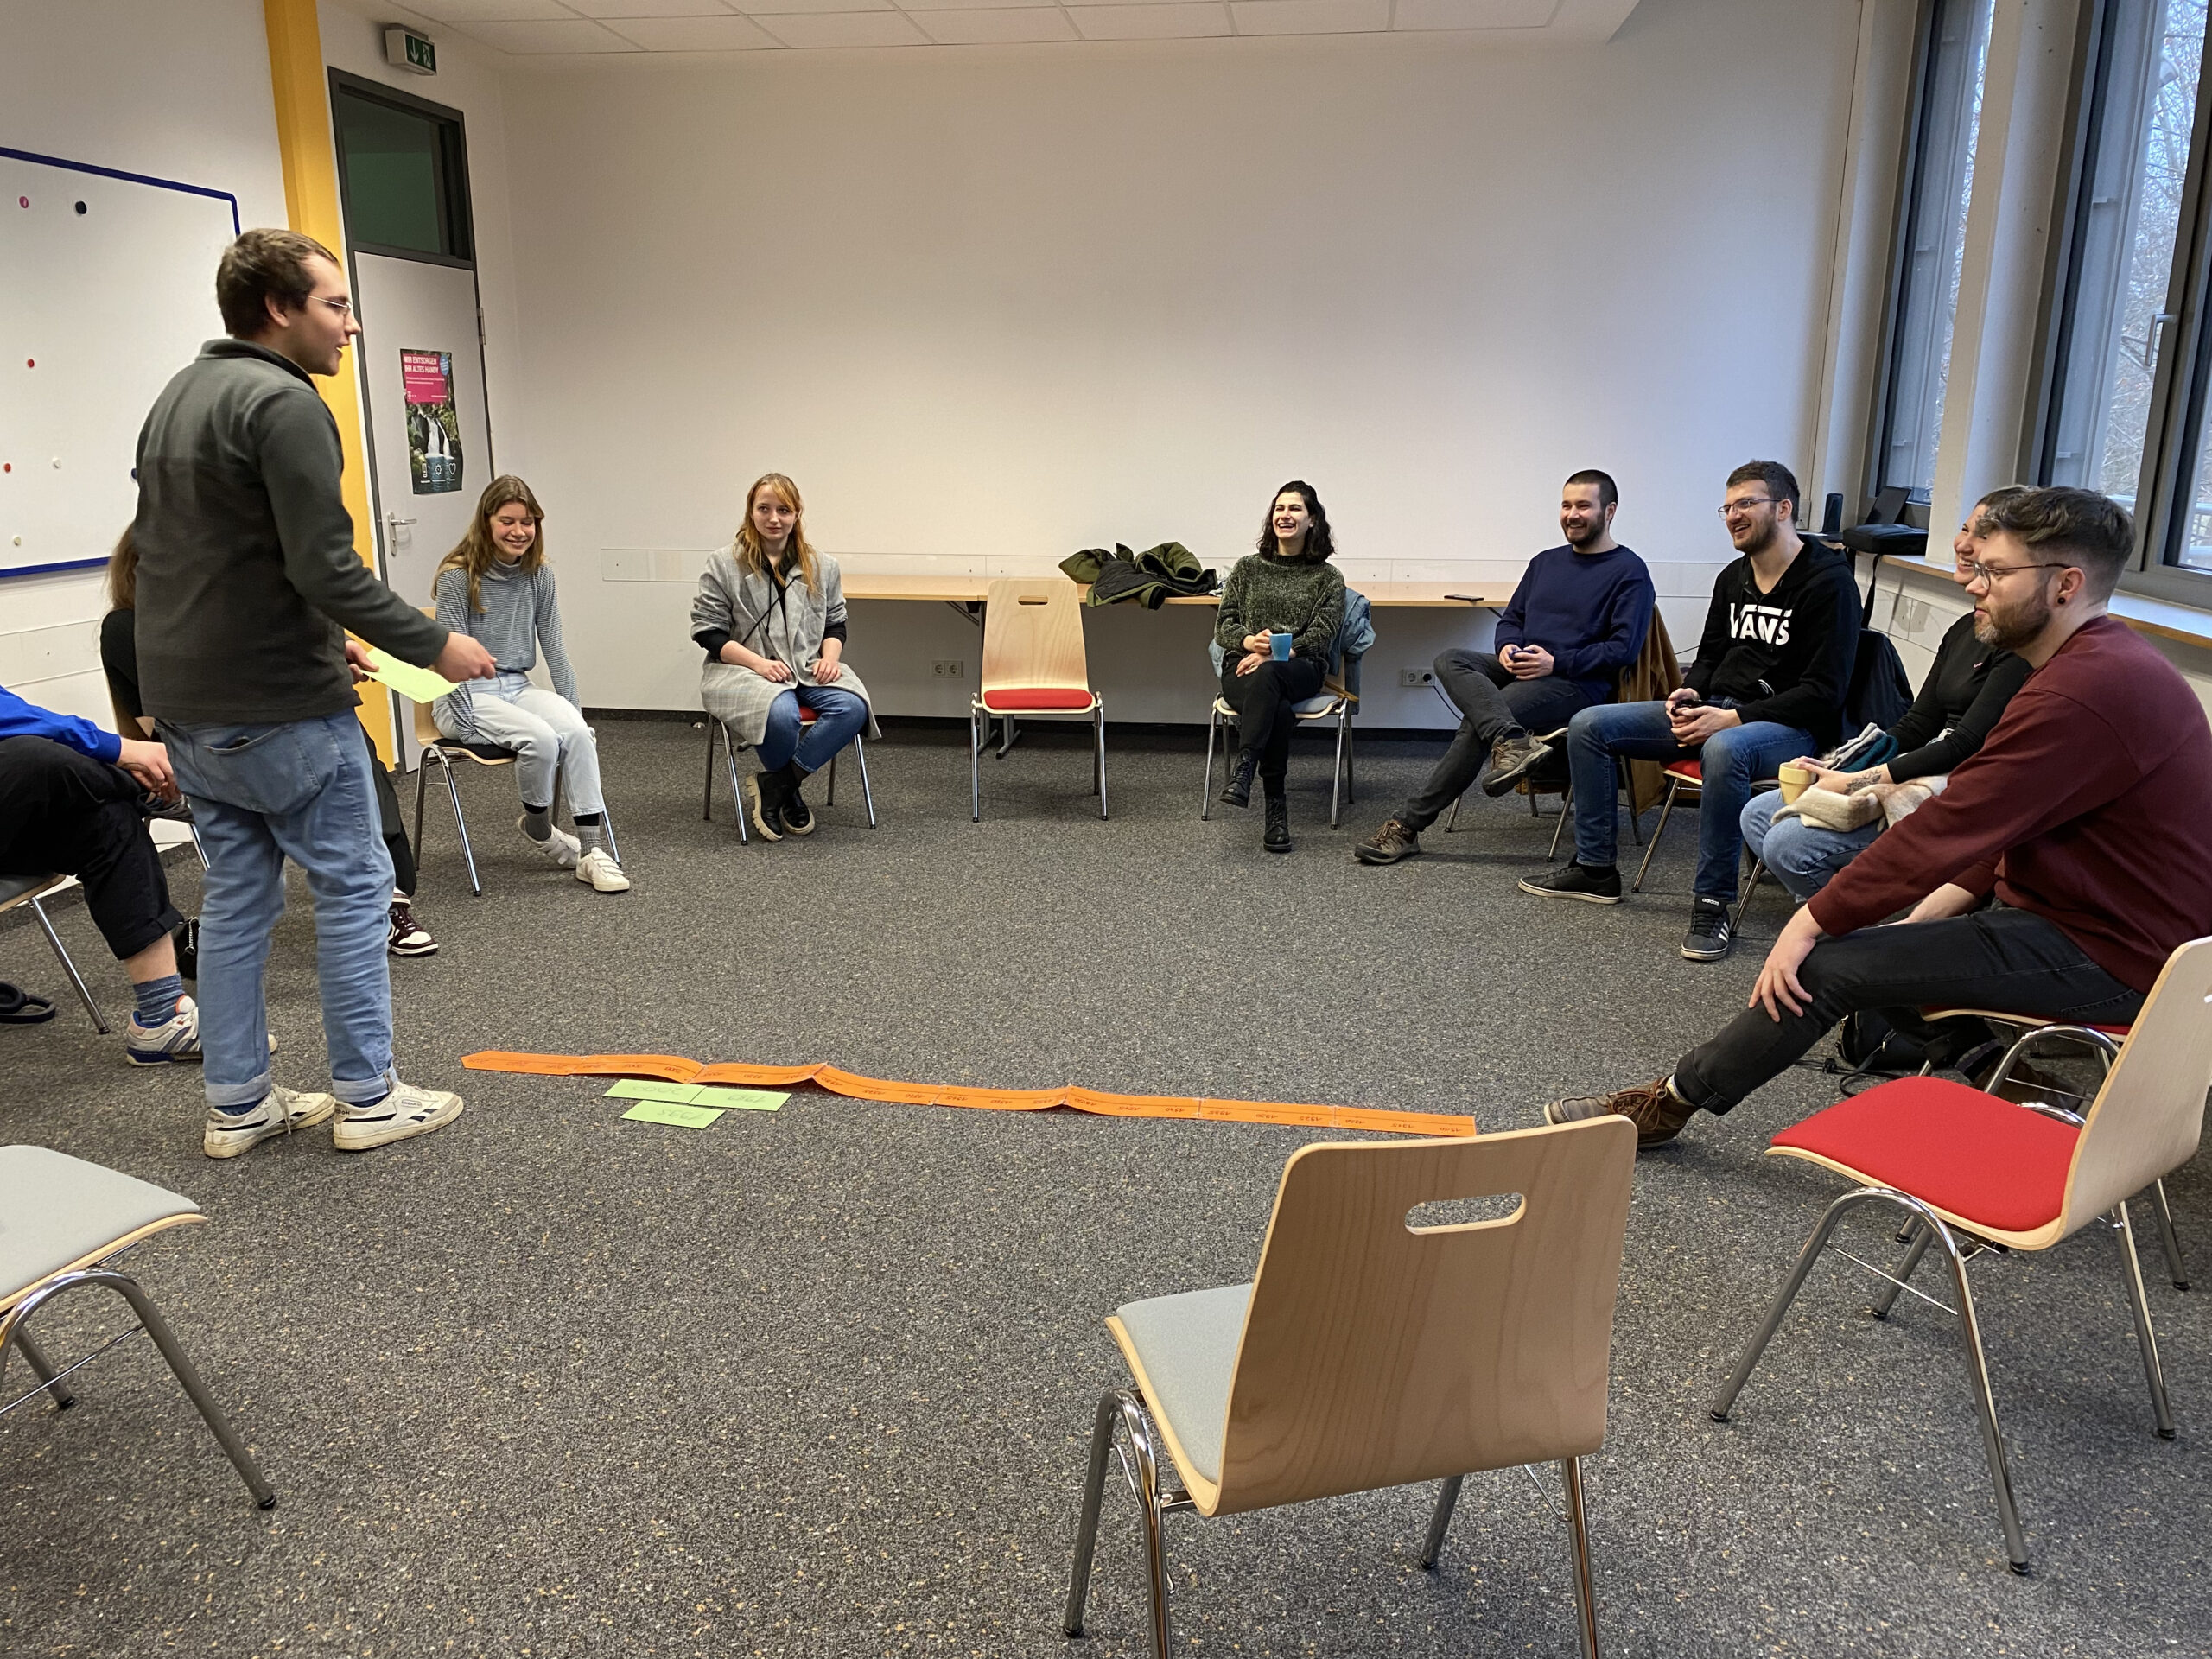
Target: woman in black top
x,y
1959,703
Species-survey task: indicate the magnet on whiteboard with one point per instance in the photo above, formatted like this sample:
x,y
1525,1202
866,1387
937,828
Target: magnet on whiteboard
x,y
57,463
19,541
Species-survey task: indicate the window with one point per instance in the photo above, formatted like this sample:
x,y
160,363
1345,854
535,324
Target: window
x,y
2125,414
403,170
1926,302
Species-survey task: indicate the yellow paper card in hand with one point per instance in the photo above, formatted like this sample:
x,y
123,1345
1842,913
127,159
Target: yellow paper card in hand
x,y
415,684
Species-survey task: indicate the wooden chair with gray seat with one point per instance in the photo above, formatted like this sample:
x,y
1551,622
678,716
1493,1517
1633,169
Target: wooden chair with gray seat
x,y
1373,1348
1034,669
62,1224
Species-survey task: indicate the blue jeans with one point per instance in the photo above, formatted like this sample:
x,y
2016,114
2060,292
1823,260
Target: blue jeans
x,y
1733,760
1803,856
839,717
261,794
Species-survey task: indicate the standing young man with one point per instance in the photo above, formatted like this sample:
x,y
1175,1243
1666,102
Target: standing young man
x,y
2087,813
247,581
1768,685
1577,620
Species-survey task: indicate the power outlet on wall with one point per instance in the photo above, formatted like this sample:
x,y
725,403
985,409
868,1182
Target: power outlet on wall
x,y
949,670
1413,679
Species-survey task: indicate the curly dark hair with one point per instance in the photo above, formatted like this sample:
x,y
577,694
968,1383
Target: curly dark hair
x,y
1319,544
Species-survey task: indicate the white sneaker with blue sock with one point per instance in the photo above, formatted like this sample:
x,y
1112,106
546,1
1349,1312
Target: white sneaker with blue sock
x,y
174,1040
278,1112
405,1111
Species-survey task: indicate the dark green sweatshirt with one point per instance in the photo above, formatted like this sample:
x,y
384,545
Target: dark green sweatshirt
x,y
247,576
1265,592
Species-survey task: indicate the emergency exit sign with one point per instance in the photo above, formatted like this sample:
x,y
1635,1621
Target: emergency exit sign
x,y
404,49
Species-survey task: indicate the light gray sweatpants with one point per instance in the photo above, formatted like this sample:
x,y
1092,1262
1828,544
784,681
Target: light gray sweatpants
x,y
543,728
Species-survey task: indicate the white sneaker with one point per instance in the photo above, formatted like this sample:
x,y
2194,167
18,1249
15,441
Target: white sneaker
x,y
406,1110
602,872
561,846
281,1111
177,1039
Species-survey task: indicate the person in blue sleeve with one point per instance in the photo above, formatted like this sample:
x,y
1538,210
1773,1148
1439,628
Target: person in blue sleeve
x,y
1577,620
69,805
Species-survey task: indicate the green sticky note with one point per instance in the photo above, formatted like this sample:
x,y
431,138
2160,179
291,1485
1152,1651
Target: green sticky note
x,y
415,684
670,1111
652,1089
750,1100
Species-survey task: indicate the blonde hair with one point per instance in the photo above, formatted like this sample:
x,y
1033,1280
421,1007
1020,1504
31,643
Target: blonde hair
x,y
476,553
753,552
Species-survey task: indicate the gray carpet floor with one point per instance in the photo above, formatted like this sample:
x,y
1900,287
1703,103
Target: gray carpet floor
x,y
819,1382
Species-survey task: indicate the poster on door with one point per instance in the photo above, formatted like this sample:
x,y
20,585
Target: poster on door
x,y
433,422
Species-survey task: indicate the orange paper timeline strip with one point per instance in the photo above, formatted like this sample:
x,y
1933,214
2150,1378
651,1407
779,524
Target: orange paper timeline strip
x,y
675,1069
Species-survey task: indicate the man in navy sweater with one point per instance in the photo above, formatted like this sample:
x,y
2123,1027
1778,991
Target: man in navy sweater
x,y
69,796
1577,620
1768,685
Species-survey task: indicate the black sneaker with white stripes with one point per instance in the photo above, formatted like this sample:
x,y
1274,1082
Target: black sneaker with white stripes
x,y
1712,932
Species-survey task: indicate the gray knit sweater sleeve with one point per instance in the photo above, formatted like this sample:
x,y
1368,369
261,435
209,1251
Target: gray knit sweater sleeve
x,y
547,608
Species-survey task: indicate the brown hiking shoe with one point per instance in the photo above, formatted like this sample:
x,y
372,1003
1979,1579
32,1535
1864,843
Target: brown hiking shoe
x,y
1388,845
1657,1112
1510,760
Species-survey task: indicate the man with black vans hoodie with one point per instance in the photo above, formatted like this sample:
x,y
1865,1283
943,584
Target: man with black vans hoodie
x,y
1768,685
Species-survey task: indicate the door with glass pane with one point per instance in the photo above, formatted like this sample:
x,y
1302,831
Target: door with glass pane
x,y
2125,414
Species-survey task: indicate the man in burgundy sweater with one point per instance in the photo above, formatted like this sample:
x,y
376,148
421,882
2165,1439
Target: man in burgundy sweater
x,y
2087,814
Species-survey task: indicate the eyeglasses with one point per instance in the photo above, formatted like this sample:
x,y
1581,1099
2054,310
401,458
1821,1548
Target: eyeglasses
x,y
343,307
1987,573
1744,505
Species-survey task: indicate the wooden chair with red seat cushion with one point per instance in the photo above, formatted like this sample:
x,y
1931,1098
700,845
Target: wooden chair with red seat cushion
x,y
1035,667
1976,1171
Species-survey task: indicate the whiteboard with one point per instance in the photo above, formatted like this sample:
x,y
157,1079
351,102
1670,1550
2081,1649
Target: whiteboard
x,y
107,288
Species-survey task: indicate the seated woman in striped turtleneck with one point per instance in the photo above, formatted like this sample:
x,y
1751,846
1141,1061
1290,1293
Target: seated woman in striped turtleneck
x,y
1279,613
497,587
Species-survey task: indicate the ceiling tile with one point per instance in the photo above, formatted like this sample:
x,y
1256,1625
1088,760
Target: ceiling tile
x,y
845,28
1474,14
649,7
996,27
793,8
530,39
1310,16
948,5
1150,23
723,34
482,11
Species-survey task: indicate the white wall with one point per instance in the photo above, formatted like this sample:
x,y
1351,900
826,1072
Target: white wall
x,y
177,92
999,304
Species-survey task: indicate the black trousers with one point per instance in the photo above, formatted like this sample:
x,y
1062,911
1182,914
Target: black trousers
x,y
2007,961
1262,700
1493,704
64,813
392,823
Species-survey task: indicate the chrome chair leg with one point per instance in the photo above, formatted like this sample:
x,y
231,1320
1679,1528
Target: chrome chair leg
x,y
1352,763
1666,810
2139,1305
868,793
1585,1589
975,767
1566,814
736,789
41,1367
198,845
460,824
1743,898
422,778
606,823
1993,1440
1439,1521
1094,1496
68,966
1101,723
180,1364
1125,1408
1452,822
1919,1239
1206,794
2177,1269
830,799
1337,776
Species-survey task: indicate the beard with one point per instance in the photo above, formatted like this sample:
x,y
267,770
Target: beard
x,y
2015,626
1581,538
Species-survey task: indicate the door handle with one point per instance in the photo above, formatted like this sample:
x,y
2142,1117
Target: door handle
x,y
2154,341
395,521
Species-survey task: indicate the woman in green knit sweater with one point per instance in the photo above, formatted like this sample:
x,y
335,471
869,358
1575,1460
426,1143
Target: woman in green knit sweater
x,y
1280,613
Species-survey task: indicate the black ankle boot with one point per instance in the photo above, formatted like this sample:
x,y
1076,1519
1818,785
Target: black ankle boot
x,y
1277,837
1237,791
798,818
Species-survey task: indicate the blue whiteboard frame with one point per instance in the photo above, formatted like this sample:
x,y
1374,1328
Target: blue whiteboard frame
x,y
128,178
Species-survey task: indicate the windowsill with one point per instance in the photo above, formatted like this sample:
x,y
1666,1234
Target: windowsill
x,y
2186,623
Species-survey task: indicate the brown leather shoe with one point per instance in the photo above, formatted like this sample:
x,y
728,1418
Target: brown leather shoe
x,y
1657,1112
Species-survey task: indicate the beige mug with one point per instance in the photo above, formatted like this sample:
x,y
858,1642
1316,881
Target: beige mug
x,y
1795,780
